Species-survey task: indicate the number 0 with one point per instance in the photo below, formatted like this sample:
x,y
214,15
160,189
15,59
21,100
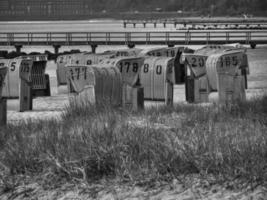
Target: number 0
x,y
158,69
201,62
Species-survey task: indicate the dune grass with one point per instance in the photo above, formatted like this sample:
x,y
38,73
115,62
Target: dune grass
x,y
92,142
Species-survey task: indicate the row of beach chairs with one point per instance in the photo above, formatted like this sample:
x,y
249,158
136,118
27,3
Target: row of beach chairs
x,y
129,77
214,72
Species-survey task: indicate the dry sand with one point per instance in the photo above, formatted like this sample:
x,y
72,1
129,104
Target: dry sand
x,y
192,188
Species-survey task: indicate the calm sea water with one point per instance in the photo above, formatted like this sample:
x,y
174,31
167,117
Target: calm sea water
x,y
79,26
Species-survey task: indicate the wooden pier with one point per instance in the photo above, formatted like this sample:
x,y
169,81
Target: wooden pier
x,y
57,39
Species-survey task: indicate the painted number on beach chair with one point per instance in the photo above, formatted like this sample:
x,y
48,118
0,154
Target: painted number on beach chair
x,y
13,66
158,69
79,77
197,62
127,67
130,69
228,61
170,53
25,70
77,73
146,68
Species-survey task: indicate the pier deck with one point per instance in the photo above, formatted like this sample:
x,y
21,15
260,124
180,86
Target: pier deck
x,y
126,38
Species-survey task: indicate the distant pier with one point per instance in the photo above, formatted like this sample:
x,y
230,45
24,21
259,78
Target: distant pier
x,y
200,23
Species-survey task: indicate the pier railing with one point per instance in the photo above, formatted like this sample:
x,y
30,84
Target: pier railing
x,y
120,38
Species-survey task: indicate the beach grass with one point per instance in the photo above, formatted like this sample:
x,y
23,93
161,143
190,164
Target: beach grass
x,y
160,143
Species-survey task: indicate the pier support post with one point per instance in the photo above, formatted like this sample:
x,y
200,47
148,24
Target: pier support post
x,y
93,47
134,24
18,48
131,45
56,48
144,23
3,54
155,24
124,24
253,45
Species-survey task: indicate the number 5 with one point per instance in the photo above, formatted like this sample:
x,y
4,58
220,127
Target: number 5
x,y
13,66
